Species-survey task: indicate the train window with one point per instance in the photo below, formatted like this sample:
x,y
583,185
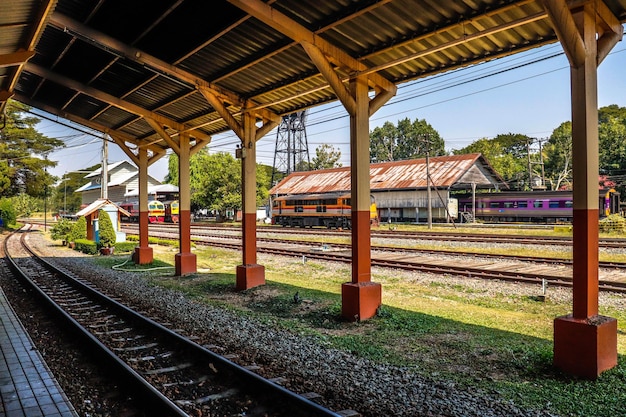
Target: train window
x,y
522,204
320,209
569,204
553,204
509,204
538,203
494,205
298,209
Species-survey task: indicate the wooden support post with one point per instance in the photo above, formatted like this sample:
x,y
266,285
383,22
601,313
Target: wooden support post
x,y
360,298
249,274
185,261
585,343
143,253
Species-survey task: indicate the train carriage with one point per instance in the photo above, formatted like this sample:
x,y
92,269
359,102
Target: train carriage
x,y
535,206
331,210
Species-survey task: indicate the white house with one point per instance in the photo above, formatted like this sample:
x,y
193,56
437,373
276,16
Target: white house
x,y
123,177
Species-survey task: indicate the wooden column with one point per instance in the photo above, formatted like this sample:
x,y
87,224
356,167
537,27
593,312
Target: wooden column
x,y
585,343
143,253
185,260
360,298
249,274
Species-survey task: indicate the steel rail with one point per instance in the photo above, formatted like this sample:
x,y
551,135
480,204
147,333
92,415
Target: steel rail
x,y
244,375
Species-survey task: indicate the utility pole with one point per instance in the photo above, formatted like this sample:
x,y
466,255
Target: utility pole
x,y
104,189
428,196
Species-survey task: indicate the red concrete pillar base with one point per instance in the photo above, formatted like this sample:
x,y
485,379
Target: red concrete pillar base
x,y
185,263
249,276
585,347
143,256
359,301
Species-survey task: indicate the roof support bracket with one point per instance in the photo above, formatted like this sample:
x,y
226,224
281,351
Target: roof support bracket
x,y
166,137
608,28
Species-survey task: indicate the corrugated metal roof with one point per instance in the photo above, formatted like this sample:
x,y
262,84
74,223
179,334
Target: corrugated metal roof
x,y
445,172
110,65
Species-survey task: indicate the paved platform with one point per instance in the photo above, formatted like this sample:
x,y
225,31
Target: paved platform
x,y
27,387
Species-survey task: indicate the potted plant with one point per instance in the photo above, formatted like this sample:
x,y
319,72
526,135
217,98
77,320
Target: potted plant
x,y
107,233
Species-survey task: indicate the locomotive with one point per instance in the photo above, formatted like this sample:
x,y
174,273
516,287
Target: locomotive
x,y
533,206
156,211
331,210
171,211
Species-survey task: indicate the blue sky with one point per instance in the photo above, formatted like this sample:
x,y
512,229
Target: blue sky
x,y
527,93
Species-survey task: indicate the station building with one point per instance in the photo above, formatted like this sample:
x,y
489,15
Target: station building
x,y
400,188
122,178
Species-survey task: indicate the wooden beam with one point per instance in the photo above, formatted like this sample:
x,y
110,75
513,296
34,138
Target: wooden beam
x,y
566,30
122,144
324,66
277,20
110,99
164,135
16,58
220,107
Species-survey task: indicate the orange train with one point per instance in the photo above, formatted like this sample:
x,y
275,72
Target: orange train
x,y
331,210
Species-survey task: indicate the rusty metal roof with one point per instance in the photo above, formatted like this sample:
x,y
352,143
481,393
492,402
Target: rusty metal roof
x,y
132,68
457,171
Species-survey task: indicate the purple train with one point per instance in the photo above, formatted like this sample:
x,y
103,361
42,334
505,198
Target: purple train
x,y
535,206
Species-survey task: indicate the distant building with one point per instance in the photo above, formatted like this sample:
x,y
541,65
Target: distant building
x,y
400,188
123,177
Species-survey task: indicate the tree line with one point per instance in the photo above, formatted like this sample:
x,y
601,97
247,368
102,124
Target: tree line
x,y
215,178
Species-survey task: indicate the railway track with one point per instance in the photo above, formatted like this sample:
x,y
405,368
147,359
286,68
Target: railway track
x,y
414,260
173,375
383,248
408,235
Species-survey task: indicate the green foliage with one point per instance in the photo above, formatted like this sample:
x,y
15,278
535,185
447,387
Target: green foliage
x,y
7,212
215,181
86,246
407,140
613,224
79,230
125,246
64,199
506,154
23,154
25,204
326,156
61,230
107,233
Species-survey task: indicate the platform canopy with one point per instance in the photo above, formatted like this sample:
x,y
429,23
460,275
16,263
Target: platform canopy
x,y
145,71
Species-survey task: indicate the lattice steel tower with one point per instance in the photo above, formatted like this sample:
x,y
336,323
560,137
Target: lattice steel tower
x,y
292,148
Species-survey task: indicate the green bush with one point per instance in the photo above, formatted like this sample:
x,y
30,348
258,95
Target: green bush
x,y
79,230
125,246
86,246
107,233
7,212
61,230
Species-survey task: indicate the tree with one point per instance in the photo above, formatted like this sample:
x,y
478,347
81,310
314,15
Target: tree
x,y
326,156
407,140
503,153
7,212
558,162
106,230
61,230
215,181
79,230
23,154
63,196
